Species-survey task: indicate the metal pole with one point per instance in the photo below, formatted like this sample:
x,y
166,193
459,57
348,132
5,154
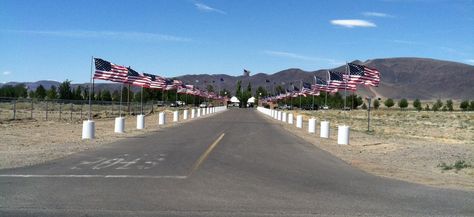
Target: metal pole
x,y
368,114
141,102
82,105
14,109
60,110
128,99
32,108
91,85
46,110
72,107
121,96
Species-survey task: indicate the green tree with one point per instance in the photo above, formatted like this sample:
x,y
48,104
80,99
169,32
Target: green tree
x,y
249,88
116,96
279,89
105,95
225,92
65,90
52,93
417,104
389,103
261,92
238,90
471,106
438,105
77,93
364,106
403,103
464,105
449,105
40,92
376,104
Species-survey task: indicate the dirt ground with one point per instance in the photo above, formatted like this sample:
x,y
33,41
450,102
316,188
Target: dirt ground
x,y
404,145
28,142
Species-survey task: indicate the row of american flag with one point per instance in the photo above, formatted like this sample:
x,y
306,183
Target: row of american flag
x,y
105,70
356,75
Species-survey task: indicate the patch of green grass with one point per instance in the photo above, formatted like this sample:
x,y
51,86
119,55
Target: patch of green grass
x,y
458,165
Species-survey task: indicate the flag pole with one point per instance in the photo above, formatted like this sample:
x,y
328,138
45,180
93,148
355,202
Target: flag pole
x,y
301,87
121,96
345,89
141,102
91,89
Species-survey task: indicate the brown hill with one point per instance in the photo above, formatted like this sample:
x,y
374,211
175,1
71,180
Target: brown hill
x,y
401,78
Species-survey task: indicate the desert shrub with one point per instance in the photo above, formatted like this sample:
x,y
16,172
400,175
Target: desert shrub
x,y
449,105
444,109
403,103
427,107
458,165
417,104
464,105
377,104
471,107
364,106
389,103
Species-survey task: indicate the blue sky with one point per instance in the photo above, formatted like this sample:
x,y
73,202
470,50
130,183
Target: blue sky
x,y
55,39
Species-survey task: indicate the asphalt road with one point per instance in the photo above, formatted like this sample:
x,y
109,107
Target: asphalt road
x,y
235,163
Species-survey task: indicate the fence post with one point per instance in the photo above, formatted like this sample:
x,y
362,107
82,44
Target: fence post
x,y
112,108
72,106
31,109
46,110
14,109
60,111
82,105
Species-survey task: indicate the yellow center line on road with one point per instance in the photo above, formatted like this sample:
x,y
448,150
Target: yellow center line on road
x,y
203,157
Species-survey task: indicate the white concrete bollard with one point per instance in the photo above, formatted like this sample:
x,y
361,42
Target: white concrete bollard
x,y
343,135
299,121
203,111
311,125
290,118
280,115
185,114
283,117
199,112
175,116
161,118
193,113
88,129
119,125
140,122
324,131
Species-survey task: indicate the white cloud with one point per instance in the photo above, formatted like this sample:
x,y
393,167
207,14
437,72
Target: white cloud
x,y
6,73
207,8
376,14
301,57
353,23
103,34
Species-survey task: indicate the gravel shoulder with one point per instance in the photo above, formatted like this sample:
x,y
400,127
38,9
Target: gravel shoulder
x,y
411,152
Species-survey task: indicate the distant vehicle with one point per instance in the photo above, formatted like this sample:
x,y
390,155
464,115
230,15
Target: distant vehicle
x,y
180,103
160,103
205,105
325,107
173,104
287,107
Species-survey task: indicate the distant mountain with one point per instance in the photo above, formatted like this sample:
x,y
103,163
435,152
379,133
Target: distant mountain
x,y
401,77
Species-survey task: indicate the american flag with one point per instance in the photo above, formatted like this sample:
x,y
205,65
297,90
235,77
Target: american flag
x,y
137,79
320,85
359,74
169,84
105,70
336,82
156,82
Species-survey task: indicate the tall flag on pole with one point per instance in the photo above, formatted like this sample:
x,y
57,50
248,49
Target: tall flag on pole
x,y
337,82
320,85
105,70
359,74
137,79
156,82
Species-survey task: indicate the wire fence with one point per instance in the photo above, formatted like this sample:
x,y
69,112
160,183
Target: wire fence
x,y
70,110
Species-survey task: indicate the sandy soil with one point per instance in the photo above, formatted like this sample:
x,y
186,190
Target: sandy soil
x,y
29,142
407,146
